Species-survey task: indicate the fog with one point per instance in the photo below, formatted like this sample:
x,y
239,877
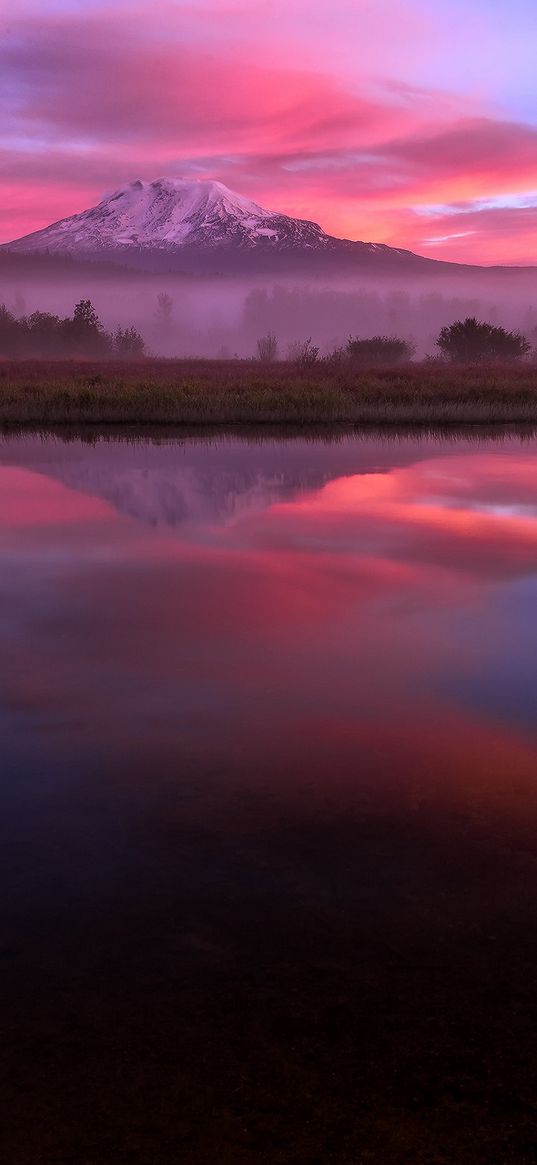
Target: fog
x,y
224,316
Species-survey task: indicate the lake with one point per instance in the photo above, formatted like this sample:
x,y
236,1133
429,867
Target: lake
x,y
269,800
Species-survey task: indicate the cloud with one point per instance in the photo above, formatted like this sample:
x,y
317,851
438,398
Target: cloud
x,y
61,77
508,233
296,113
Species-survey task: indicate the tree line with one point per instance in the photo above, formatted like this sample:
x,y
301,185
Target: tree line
x,y
43,334
82,334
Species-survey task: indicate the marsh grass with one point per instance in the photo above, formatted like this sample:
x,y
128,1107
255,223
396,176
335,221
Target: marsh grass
x,y
213,393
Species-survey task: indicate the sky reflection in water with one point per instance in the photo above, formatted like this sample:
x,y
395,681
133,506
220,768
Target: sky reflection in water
x,y
297,621
268,804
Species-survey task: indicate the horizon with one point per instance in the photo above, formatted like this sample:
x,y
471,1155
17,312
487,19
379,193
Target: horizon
x,y
381,123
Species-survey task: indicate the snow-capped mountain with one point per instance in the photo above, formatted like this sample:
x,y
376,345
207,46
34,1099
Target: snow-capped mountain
x,y
195,222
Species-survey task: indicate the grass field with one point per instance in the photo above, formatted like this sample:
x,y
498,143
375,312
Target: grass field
x,y
160,392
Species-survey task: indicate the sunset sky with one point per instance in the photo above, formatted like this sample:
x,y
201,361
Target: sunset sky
x,y
410,122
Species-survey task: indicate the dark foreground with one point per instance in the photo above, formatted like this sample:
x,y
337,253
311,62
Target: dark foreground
x,y
320,995
36,394
268,803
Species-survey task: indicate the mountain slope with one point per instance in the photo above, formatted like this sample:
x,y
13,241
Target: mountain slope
x,y
195,224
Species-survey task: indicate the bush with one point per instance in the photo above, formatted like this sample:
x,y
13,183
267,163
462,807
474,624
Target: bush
x,y
129,344
336,358
469,341
43,334
267,348
380,350
303,352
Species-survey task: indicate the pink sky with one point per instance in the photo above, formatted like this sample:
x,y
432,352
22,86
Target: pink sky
x,y
409,122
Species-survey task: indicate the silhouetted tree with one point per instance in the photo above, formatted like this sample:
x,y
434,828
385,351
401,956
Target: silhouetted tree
x,y
129,344
469,341
43,334
84,333
85,317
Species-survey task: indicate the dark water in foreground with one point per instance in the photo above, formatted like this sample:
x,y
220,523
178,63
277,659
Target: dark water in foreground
x,y
268,812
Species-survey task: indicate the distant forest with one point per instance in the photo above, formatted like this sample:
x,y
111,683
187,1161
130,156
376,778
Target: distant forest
x,y
299,324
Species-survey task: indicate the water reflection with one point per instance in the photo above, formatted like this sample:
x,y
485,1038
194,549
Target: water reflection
x,y
265,693
367,582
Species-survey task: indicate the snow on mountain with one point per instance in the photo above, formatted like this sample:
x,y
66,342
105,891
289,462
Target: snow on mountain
x,y
178,215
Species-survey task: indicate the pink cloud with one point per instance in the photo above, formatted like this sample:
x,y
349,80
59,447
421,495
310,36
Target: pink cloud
x,y
472,233
171,93
246,93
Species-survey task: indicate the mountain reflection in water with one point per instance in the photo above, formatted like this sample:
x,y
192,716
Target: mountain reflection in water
x,y
269,800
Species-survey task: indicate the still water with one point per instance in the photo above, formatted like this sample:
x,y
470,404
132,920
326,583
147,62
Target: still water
x,y
268,810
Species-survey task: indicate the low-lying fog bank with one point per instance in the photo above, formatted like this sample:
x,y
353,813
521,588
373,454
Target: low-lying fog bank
x,y
185,316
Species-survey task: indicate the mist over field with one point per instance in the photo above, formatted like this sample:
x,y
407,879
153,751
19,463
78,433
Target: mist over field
x,y
223,317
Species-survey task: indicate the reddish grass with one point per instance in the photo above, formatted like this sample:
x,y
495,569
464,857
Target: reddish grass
x,y
150,392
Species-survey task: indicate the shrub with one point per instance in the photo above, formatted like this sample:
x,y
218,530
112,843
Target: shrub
x,y
128,343
303,352
469,341
380,350
42,333
267,348
336,358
